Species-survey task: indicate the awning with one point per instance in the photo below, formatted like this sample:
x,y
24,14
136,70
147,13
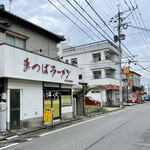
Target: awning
x,y
112,87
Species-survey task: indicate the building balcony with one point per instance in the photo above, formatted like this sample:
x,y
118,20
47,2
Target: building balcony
x,y
103,64
104,81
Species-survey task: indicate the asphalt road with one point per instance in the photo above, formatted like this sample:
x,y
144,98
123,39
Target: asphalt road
x,y
128,129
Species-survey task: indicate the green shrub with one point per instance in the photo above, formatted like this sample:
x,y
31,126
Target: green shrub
x,y
104,110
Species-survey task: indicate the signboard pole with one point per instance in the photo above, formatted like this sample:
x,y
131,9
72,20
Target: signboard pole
x,y
127,88
52,115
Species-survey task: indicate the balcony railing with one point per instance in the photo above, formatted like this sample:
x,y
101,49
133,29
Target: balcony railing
x,y
102,64
105,77
90,45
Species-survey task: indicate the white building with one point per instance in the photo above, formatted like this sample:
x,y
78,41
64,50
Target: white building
x,y
97,65
32,81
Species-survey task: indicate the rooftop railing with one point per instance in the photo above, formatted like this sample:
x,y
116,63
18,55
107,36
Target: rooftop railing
x,y
90,45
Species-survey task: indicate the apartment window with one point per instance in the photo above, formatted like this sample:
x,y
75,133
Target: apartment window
x,y
80,76
67,61
97,75
108,75
15,41
95,91
97,57
74,61
107,57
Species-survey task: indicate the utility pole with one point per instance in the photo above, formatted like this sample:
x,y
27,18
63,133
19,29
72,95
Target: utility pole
x,y
148,91
120,54
118,38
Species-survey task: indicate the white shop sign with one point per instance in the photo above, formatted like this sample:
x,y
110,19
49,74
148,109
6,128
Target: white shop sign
x,y
16,63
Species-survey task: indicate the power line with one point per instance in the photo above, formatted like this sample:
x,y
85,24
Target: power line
x,y
90,18
99,17
77,18
96,24
139,28
71,20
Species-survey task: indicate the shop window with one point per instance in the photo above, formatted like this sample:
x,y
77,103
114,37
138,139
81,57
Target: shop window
x,y
52,100
66,97
15,41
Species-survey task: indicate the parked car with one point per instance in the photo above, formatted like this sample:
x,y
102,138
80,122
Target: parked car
x,y
90,101
133,98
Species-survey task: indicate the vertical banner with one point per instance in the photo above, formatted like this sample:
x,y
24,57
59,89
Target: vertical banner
x,y
126,70
48,114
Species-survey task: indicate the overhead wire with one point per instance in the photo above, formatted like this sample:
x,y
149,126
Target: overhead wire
x,y
95,23
70,19
140,16
144,36
106,25
77,18
88,20
135,37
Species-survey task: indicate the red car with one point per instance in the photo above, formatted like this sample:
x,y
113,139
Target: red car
x,y
90,101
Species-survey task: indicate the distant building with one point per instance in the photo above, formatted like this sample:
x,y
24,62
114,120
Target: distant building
x,y
132,86
97,65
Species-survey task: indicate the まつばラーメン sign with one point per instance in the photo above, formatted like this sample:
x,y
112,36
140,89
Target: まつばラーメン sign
x,y
46,69
21,64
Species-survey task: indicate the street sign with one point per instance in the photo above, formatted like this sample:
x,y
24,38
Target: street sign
x,y
126,70
48,114
130,77
123,77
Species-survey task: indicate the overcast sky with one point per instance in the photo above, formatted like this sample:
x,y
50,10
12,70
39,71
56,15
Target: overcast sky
x,y
42,13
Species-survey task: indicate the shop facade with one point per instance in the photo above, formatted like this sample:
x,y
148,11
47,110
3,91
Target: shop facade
x,y
33,82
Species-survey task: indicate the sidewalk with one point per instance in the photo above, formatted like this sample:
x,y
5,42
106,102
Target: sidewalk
x,y
15,133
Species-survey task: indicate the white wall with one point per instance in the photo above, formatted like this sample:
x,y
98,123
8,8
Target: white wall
x,y
98,96
95,96
136,80
31,98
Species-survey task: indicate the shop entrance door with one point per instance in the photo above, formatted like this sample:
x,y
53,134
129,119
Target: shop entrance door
x,y
14,109
52,100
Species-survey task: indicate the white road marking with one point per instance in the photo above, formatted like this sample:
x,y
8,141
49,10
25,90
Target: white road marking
x,y
82,122
30,139
12,137
8,146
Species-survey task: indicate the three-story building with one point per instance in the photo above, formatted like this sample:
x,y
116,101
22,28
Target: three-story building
x,y
98,66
